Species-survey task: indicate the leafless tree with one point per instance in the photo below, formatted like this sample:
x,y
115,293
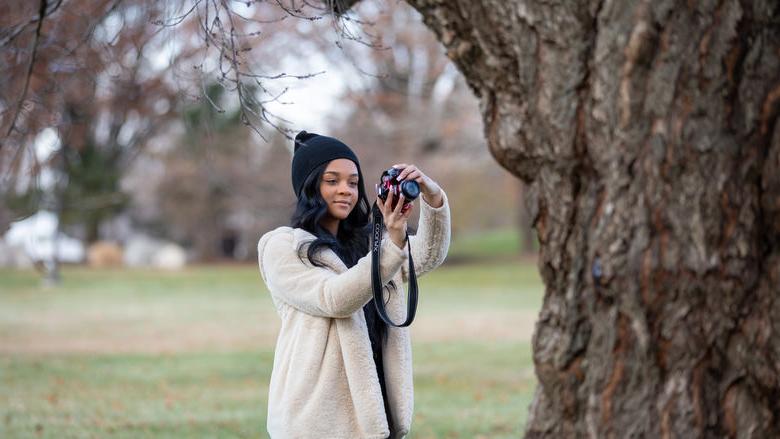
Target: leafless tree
x,y
57,56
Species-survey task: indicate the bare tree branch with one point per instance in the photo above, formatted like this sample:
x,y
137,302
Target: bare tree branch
x,y
41,15
16,31
175,21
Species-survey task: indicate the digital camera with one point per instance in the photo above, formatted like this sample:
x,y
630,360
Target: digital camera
x,y
389,183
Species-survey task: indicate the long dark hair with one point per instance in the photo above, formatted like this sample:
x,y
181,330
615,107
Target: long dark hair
x,y
353,236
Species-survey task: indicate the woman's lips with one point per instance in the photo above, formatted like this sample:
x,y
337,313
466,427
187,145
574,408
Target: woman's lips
x,y
341,204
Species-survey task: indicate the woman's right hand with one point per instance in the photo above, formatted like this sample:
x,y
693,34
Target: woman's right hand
x,y
395,219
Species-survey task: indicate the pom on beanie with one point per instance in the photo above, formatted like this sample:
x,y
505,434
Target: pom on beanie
x,y
301,138
311,150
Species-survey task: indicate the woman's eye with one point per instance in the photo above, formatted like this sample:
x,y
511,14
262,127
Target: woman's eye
x,y
352,183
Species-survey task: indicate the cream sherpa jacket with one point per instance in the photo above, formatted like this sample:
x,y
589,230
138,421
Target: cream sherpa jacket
x,y
324,382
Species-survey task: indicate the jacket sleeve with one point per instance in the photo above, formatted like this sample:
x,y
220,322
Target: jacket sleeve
x,y
320,291
430,245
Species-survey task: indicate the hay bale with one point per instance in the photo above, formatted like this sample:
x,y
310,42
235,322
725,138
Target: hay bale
x,y
104,254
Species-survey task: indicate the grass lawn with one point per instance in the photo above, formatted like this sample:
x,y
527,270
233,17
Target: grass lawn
x,y
140,353
485,245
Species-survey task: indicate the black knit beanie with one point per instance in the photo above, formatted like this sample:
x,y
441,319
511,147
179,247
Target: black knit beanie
x,y
312,150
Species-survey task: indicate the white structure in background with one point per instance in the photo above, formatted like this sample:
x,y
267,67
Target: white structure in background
x,y
13,256
143,251
170,257
34,237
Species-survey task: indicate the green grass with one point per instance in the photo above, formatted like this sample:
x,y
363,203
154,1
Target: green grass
x,y
140,353
472,389
495,244
181,395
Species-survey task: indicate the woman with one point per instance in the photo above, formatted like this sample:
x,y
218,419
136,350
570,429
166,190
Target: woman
x,y
339,371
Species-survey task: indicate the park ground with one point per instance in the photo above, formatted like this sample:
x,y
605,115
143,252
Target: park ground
x,y
142,353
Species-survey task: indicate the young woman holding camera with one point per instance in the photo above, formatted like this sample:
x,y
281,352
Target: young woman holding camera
x,y
339,371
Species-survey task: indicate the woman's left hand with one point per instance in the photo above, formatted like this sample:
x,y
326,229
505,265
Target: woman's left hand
x,y
430,190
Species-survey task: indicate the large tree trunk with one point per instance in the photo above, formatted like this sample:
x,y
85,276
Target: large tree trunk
x,y
647,133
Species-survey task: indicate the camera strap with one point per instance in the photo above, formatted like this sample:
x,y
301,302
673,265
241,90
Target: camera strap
x,y
376,277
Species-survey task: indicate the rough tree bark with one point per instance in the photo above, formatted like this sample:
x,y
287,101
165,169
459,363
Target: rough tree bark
x,y
525,223
647,131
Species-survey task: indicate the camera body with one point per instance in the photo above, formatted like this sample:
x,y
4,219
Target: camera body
x,y
389,183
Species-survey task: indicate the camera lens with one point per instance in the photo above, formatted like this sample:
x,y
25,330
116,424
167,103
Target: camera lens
x,y
410,189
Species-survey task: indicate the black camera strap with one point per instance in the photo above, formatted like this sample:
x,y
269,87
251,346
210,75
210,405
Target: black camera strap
x,y
376,276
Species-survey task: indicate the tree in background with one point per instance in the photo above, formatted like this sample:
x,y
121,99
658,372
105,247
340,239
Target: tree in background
x,y
105,76
220,189
84,73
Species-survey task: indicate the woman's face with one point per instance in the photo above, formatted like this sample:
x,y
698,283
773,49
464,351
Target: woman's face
x,y
339,187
